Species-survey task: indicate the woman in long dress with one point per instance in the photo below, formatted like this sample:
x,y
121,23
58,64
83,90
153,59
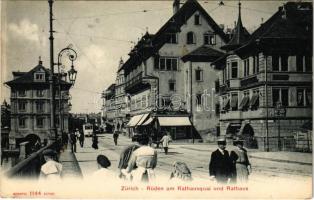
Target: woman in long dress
x,y
241,162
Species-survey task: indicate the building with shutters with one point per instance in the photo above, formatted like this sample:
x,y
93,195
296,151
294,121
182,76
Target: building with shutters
x,y
156,74
271,66
30,105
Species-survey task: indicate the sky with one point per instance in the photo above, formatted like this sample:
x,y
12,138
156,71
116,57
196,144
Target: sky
x,y
101,32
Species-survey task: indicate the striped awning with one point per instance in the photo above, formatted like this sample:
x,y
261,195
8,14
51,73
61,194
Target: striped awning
x,y
174,121
134,120
144,117
148,121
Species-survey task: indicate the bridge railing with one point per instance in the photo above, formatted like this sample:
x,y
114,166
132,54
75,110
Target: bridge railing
x,y
30,167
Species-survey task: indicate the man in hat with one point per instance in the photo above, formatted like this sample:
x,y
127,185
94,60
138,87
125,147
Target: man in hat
x,y
51,169
103,173
220,165
241,163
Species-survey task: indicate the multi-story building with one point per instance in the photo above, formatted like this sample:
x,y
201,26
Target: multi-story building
x,y
155,75
120,99
30,105
266,79
109,111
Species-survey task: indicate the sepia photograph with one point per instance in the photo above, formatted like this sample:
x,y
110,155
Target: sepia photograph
x,y
144,99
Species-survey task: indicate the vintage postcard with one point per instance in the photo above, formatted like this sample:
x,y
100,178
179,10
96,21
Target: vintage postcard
x,y
178,99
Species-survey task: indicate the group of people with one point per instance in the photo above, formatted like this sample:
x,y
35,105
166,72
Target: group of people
x,y
138,162
229,168
74,136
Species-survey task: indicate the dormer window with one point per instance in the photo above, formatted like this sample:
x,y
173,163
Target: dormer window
x,y
172,38
209,38
197,19
39,77
190,38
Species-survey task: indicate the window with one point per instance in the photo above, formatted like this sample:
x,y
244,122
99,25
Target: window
x,y
39,93
280,95
246,67
39,76
172,85
234,70
40,107
199,75
234,101
22,122
209,38
304,97
255,64
308,63
198,99
169,64
190,38
172,38
40,122
197,19
245,101
22,93
22,106
255,100
299,63
282,65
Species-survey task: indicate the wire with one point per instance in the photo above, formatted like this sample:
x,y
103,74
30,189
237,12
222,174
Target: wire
x,y
252,9
110,14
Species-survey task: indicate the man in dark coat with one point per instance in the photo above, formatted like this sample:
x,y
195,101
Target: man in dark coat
x,y
220,165
73,142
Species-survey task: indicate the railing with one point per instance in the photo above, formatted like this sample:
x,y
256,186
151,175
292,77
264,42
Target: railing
x,y
248,81
30,167
134,81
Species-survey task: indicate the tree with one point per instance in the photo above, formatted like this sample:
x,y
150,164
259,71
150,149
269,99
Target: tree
x,y
5,115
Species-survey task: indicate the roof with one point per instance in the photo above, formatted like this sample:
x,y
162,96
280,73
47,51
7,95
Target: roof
x,y
240,36
292,22
171,26
204,53
28,77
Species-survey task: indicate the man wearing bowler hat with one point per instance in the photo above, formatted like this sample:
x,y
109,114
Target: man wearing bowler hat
x,y
220,165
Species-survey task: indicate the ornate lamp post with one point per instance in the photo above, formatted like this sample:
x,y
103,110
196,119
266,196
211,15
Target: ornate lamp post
x,y
72,55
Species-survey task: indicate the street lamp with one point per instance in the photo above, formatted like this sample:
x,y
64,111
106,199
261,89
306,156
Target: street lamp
x,y
72,55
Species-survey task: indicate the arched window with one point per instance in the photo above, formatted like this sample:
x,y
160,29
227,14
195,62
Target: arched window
x,y
190,38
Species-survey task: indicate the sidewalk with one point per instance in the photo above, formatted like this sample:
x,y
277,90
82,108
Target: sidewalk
x,y
70,167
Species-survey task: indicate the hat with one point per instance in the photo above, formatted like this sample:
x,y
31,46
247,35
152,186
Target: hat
x,y
221,140
49,152
103,161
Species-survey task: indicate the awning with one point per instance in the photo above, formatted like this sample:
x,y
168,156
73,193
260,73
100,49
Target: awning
x,y
234,102
174,121
254,100
144,117
148,121
134,120
244,103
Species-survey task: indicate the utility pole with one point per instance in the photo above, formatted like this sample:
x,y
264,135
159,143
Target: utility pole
x,y
51,77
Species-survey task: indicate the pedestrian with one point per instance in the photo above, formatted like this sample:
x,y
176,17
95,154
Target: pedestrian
x,y
115,137
95,141
77,133
65,139
165,142
81,139
125,158
73,142
51,170
103,173
180,172
220,165
142,162
241,162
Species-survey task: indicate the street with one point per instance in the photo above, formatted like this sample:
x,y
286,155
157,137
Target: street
x,y
265,165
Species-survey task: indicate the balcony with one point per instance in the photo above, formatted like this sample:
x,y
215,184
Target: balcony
x,y
248,81
136,84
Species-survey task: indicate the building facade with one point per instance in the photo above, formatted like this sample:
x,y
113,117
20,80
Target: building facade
x,y
265,84
30,105
155,74
109,111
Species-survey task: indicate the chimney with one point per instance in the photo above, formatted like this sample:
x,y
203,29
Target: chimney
x,y
40,62
176,6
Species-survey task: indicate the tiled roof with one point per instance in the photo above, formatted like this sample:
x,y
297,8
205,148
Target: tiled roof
x,y
204,53
28,77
